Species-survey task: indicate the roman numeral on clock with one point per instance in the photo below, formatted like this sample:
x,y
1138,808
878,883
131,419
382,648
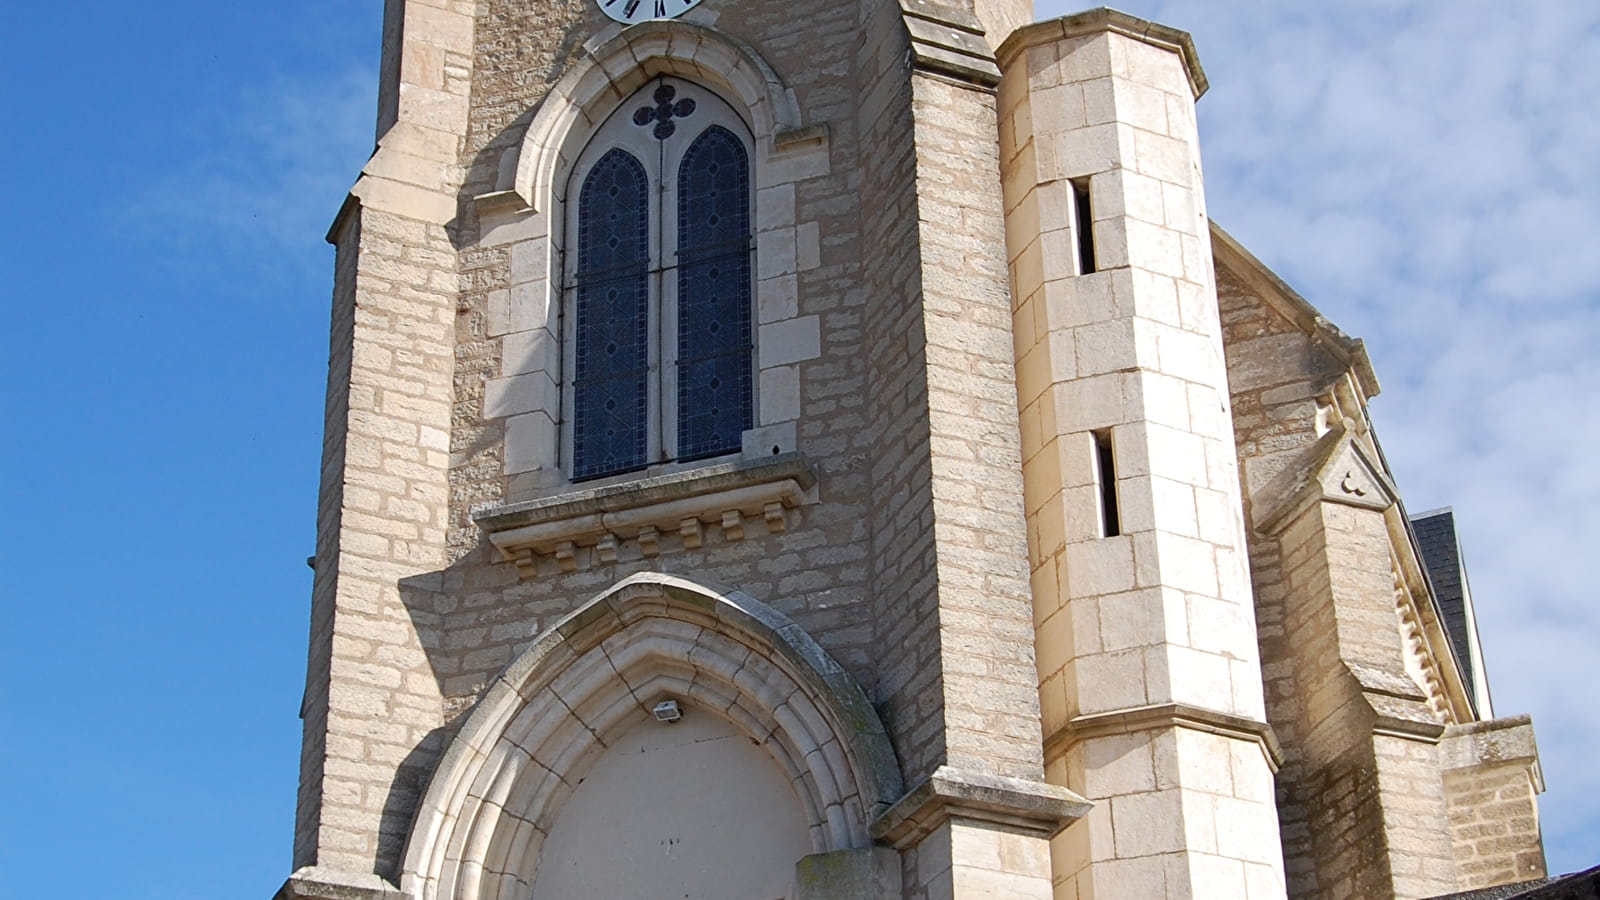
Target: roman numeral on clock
x,y
630,11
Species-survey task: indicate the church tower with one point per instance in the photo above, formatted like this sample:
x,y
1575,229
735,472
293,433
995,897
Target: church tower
x,y
782,450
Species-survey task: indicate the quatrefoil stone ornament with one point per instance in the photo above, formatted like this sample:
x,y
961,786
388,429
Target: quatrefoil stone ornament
x,y
663,112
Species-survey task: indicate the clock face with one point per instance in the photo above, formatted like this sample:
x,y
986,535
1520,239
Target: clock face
x,y
630,11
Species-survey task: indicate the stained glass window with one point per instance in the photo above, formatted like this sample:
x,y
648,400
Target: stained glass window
x,y
611,397
714,340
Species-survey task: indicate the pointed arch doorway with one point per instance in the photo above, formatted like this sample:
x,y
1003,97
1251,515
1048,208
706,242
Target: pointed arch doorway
x,y
779,745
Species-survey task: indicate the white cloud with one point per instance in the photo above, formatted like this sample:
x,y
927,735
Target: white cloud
x,y
262,185
1424,173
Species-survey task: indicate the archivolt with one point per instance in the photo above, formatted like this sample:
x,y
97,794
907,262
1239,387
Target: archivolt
x,y
609,73
592,678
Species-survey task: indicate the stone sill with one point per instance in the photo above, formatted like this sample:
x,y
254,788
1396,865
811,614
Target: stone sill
x,y
647,510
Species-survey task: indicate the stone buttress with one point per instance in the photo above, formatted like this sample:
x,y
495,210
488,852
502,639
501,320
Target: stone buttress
x,y
1149,675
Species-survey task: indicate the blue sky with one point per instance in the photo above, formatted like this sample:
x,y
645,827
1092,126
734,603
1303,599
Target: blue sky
x,y
1422,172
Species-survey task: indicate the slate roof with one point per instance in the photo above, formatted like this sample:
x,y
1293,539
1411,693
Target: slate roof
x,y
1441,554
1583,885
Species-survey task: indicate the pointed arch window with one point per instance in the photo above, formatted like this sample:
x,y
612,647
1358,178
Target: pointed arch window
x,y
660,285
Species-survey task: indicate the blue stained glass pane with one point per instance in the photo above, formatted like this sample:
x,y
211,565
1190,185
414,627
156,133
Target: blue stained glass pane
x,y
610,418
715,396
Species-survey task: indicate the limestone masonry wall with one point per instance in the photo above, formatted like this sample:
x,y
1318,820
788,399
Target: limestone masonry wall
x,y
382,702
937,361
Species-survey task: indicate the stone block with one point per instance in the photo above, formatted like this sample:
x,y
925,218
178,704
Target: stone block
x,y
1086,151
779,394
1110,681
1118,764
1087,404
1132,619
790,341
530,261
530,443
523,352
1140,105
1155,248
1163,158
1058,109
777,299
1148,824
530,307
1105,347
1099,567
775,207
498,313
808,246
776,253
518,394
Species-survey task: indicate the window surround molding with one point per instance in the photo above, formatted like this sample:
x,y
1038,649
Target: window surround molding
x,y
527,214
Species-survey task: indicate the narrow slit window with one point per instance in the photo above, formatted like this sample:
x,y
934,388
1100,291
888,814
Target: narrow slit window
x,y
1106,475
1084,224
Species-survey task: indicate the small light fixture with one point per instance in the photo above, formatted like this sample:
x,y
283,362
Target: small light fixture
x,y
667,712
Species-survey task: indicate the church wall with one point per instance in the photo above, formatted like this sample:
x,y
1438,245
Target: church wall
x,y
491,613
470,613
1362,771
928,347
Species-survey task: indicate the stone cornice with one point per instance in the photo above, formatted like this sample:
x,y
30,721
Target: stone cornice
x,y
1167,715
1029,806
1106,19
645,509
315,883
1495,742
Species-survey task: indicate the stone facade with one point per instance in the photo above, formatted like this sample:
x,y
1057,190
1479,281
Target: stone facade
x,y
1059,560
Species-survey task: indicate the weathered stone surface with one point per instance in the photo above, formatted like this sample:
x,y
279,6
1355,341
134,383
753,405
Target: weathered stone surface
x,y
918,517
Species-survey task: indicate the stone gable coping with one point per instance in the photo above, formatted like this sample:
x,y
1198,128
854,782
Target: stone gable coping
x,y
1029,806
1107,19
1169,715
1338,470
1399,707
1277,293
